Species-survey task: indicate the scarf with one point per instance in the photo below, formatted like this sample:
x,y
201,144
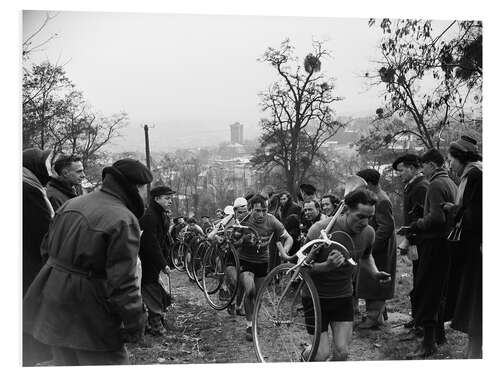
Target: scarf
x,y
30,178
130,194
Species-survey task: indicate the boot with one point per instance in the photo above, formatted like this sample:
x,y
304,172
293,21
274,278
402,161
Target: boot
x,y
428,346
440,335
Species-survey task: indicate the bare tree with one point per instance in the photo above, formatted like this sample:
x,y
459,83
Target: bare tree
x,y
300,118
29,45
428,80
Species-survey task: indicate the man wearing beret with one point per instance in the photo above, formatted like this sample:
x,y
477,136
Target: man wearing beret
x,y
154,257
434,257
409,168
85,302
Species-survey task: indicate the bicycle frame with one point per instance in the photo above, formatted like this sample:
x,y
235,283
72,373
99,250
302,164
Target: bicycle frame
x,y
305,260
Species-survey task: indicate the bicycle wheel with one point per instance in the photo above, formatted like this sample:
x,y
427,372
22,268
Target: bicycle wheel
x,y
279,327
178,256
197,262
220,276
188,262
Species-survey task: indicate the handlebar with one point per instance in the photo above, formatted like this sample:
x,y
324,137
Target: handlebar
x,y
305,259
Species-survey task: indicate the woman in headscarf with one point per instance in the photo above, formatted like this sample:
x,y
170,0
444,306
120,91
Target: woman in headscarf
x,y
37,213
465,161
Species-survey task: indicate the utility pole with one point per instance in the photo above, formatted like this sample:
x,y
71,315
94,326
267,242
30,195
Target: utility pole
x,y
148,156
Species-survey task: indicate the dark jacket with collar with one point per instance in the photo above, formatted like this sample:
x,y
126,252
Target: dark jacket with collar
x,y
471,210
434,223
383,251
414,202
96,232
59,191
154,239
290,208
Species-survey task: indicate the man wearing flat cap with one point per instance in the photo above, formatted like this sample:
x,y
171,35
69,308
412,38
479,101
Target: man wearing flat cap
x,y
153,253
85,302
409,169
434,258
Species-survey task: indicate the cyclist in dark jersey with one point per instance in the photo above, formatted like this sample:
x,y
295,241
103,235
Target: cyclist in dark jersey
x,y
332,275
254,257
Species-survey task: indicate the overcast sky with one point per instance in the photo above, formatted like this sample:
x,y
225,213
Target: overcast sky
x,y
192,75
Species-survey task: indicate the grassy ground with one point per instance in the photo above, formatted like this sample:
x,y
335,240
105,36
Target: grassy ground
x,y
199,334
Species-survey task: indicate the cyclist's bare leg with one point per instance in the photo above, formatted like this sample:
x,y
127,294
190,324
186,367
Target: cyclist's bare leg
x,y
342,336
323,348
230,273
248,285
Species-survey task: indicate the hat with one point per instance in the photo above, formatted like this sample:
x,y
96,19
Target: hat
x,y
370,175
133,170
35,159
240,202
308,189
161,190
465,144
433,155
409,159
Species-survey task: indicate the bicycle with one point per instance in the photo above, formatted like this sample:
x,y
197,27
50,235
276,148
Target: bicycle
x,y
177,253
221,265
279,327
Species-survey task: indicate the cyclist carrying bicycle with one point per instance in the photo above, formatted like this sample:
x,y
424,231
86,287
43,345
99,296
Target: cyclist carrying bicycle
x,y
254,256
240,211
332,275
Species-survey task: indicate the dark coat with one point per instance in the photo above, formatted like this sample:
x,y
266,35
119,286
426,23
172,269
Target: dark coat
x,y
468,309
434,258
36,219
413,209
383,251
154,239
414,202
96,234
290,208
434,223
58,192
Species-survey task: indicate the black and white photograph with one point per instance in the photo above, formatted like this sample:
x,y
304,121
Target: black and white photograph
x,y
241,187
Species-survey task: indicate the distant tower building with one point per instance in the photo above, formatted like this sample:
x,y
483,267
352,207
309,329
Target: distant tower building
x,y
236,133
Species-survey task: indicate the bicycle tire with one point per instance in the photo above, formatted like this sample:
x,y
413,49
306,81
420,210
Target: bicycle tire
x,y
178,256
279,329
198,254
188,262
214,276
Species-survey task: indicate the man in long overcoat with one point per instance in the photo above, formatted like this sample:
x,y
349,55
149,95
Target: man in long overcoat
x,y
153,254
434,257
409,168
85,302
384,254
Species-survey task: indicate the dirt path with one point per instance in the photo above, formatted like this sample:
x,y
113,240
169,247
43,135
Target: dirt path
x,y
200,334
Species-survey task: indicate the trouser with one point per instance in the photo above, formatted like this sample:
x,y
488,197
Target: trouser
x,y
434,331
412,292
155,323
374,309
73,357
